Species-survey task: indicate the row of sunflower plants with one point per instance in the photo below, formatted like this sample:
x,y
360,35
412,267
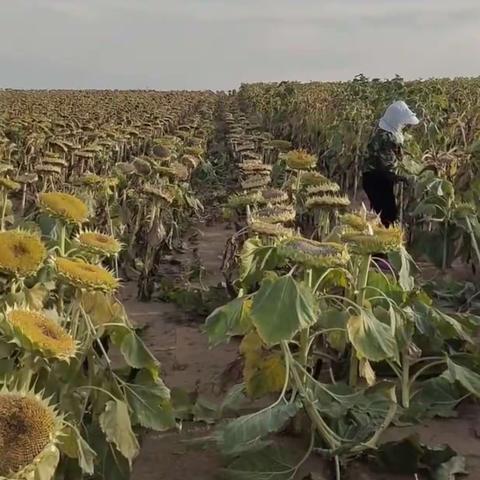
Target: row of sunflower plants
x,y
85,186
339,347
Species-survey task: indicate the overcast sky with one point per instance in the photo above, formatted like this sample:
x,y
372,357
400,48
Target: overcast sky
x,y
217,44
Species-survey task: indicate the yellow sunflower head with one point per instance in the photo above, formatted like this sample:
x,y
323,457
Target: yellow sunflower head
x,y
312,254
276,214
30,429
99,243
378,240
21,253
270,229
36,332
327,201
85,276
8,185
300,160
64,206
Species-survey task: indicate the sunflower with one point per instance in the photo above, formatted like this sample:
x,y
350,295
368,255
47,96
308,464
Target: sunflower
x,y
29,433
300,160
255,182
255,166
379,240
27,178
274,196
142,167
243,199
48,170
21,253
64,206
85,276
327,187
280,145
98,243
8,185
190,161
313,178
270,229
165,193
276,214
314,254
37,332
327,201
361,222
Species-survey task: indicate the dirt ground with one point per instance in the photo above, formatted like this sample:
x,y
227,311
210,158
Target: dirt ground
x,y
187,362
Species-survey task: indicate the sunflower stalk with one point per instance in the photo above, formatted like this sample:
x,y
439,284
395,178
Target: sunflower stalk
x,y
360,291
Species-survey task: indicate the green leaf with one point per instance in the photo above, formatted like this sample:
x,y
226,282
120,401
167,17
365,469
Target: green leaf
x,y
150,403
255,259
466,377
335,319
267,464
228,320
400,457
247,432
74,446
281,308
115,423
371,338
134,351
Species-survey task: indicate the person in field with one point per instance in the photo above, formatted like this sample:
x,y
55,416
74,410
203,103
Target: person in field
x,y
384,151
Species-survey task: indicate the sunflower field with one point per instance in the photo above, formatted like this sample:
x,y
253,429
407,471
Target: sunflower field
x,y
98,188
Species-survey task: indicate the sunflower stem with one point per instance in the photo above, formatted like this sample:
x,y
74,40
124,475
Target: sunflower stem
x,y
360,291
4,209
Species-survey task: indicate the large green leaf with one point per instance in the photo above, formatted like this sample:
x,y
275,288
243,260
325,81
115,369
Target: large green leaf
x,y
115,423
266,464
248,432
134,351
371,338
281,308
150,403
255,259
228,320
466,377
74,446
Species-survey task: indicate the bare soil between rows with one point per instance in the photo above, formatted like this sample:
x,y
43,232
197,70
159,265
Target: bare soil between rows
x,y
177,341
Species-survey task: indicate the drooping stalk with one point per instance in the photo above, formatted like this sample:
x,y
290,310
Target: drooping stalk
x,y
405,380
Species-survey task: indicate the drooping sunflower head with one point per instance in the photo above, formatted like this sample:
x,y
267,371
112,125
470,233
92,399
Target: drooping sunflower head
x,y
99,243
27,178
48,170
142,167
165,193
379,240
313,254
241,200
270,229
255,182
300,160
64,206
21,253
327,187
190,161
86,276
274,196
36,332
8,185
276,214
361,222
255,166
29,433
313,178
280,145
327,201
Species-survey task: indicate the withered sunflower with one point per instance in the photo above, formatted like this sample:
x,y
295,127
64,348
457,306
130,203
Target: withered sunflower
x,y
21,253
270,229
86,276
327,201
30,429
276,214
64,206
35,331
